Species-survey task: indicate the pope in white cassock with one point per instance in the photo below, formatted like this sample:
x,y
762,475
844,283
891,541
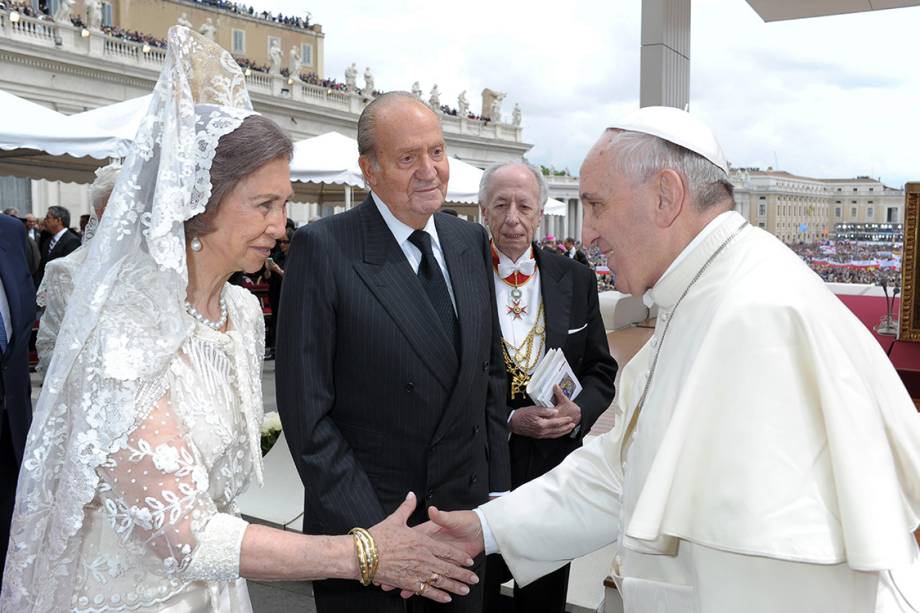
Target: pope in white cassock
x,y
766,456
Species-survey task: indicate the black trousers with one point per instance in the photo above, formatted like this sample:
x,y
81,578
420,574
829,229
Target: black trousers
x,y
545,595
9,474
340,596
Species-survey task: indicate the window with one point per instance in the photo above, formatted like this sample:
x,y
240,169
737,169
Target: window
x,y
869,202
306,54
239,41
854,189
107,14
763,197
762,210
853,212
837,202
272,41
870,212
762,224
871,189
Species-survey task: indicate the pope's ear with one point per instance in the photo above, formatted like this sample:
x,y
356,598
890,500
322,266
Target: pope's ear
x,y
672,194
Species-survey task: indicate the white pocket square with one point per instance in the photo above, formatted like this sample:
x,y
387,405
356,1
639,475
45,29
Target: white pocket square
x,y
578,329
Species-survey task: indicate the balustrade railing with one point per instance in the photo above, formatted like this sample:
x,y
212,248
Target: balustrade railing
x,y
22,26
66,37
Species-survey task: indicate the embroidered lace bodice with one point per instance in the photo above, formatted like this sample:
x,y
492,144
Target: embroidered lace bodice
x,y
164,517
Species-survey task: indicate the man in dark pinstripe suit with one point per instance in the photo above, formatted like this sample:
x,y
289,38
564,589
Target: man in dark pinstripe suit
x,y
389,369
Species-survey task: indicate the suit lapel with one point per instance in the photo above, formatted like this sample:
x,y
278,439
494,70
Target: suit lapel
x,y
461,266
556,290
389,277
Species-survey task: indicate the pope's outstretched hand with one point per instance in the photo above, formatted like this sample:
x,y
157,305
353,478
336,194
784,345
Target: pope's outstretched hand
x,y
411,559
457,529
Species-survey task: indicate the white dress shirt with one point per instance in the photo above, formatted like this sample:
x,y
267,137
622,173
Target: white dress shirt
x,y
5,317
55,239
401,233
515,330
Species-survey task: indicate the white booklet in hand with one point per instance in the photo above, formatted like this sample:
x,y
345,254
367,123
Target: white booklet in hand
x,y
552,370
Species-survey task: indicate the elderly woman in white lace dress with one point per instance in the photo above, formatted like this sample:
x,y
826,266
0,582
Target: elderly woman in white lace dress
x,y
148,425
57,282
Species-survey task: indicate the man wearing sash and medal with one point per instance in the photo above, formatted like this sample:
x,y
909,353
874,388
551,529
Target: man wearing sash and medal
x,y
766,455
544,300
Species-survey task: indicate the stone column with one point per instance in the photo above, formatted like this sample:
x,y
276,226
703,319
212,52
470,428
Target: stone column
x,y
665,56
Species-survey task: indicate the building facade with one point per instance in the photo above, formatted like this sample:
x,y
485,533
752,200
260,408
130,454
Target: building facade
x,y
804,209
563,187
71,66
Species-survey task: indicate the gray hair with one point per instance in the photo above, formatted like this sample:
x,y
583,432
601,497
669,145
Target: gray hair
x,y
101,189
367,122
486,180
12,212
61,213
641,155
255,143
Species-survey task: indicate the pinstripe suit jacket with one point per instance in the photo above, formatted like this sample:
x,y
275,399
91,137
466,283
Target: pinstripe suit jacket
x,y
373,399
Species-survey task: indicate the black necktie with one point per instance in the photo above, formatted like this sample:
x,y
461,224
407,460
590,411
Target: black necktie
x,y
429,273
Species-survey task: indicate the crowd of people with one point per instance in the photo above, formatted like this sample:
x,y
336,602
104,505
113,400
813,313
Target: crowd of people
x,y
24,7
449,110
313,79
242,9
845,261
590,256
130,35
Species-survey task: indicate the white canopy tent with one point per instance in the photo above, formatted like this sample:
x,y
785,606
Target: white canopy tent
x,y
119,121
39,143
555,207
331,159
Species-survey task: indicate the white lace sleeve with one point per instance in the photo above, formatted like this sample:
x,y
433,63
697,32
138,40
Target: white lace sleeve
x,y
52,295
155,493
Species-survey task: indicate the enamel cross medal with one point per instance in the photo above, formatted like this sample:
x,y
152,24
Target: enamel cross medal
x,y
516,310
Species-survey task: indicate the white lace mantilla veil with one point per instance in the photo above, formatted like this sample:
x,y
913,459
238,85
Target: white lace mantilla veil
x,y
105,352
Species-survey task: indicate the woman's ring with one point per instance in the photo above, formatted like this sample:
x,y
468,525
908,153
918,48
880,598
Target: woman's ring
x,y
422,586
434,579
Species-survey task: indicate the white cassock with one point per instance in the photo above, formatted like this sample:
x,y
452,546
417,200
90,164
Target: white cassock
x,y
776,464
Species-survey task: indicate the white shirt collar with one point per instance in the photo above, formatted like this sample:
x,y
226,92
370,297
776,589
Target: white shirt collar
x,y
59,234
401,231
504,259
647,299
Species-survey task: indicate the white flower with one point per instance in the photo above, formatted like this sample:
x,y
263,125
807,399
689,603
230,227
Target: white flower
x,y
166,458
200,478
271,423
140,516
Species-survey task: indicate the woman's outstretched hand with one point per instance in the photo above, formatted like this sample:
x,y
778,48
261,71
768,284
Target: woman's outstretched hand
x,y
416,563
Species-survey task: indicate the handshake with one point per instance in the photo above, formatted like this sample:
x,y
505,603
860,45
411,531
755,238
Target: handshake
x,y
429,560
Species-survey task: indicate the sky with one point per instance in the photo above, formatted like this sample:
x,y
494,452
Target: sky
x,y
828,97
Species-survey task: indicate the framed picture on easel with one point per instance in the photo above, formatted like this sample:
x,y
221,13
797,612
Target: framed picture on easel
x,y
910,266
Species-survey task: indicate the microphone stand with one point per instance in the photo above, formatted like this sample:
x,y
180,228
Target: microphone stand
x,y
887,325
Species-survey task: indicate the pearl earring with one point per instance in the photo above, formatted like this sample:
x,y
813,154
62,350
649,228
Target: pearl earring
x,y
195,244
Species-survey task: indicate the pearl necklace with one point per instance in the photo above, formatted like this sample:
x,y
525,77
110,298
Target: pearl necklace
x,y
214,325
